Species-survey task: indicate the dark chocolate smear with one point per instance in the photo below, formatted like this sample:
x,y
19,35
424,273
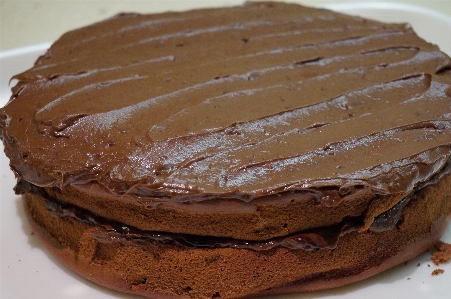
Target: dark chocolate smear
x,y
388,220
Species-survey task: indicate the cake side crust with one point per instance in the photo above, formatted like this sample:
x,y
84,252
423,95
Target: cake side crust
x,y
167,271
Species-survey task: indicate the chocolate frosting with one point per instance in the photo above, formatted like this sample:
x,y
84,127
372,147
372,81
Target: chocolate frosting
x,y
243,102
112,231
318,238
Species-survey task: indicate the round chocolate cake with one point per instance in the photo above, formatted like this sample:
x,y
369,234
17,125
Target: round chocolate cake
x,y
234,152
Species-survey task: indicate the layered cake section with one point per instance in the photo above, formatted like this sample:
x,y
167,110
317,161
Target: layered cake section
x,y
320,237
221,111
261,131
164,265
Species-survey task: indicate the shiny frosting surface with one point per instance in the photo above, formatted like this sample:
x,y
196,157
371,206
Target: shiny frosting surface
x,y
241,102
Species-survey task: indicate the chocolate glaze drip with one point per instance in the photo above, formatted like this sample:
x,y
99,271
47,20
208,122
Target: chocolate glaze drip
x,y
209,103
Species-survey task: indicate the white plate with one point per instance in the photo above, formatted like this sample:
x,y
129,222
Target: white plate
x,y
28,271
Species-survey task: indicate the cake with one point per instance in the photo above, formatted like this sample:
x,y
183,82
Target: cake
x,y
268,148
441,253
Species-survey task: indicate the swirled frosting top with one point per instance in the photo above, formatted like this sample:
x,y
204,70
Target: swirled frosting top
x,y
243,101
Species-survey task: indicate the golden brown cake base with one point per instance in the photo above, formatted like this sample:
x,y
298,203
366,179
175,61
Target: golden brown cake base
x,y
167,270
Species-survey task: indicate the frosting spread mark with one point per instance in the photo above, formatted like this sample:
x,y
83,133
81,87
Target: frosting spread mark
x,y
215,104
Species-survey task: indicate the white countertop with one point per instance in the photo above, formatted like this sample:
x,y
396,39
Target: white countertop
x,y
30,22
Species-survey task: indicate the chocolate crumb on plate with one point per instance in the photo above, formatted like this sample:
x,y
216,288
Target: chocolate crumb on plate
x,y
441,253
438,271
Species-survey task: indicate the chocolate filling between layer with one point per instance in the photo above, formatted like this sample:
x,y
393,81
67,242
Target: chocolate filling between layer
x,y
318,238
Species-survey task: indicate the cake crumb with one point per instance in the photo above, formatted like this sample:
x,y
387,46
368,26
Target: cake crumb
x,y
437,271
441,253
408,278
419,264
